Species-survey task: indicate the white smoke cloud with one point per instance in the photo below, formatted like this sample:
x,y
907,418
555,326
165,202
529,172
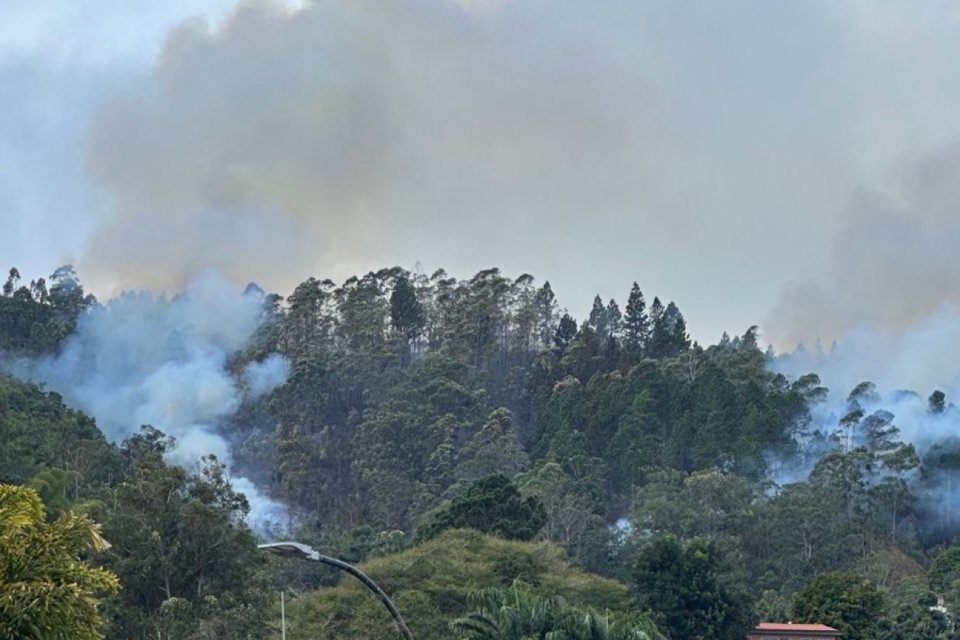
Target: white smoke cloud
x,y
906,365
263,377
144,358
884,359
921,358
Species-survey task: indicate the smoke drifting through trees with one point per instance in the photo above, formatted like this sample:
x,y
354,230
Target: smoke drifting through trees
x,y
885,310
912,377
146,359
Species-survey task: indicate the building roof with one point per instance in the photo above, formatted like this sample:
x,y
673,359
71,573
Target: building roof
x,y
791,626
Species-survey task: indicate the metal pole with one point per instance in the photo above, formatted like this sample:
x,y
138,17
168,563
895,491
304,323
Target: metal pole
x,y
283,616
365,579
302,551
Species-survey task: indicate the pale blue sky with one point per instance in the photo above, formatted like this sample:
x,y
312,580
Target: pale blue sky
x,y
714,151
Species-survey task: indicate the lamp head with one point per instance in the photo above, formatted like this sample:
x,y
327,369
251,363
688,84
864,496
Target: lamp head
x,y
291,550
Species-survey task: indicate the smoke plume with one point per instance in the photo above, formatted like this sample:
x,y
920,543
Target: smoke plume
x,y
353,130
886,309
145,359
891,276
893,360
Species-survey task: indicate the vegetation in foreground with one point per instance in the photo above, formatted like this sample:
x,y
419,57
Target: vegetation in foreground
x,y
609,468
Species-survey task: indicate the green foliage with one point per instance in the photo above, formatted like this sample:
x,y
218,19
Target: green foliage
x,y
46,590
38,432
407,316
566,331
34,320
844,517
494,449
53,486
636,324
491,505
408,391
517,613
180,546
945,570
918,620
772,606
702,504
706,410
682,586
431,583
841,600
574,513
404,452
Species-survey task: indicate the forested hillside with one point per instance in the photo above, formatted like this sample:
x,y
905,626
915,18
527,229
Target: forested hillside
x,y
417,404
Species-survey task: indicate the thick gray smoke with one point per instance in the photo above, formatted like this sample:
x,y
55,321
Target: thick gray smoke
x,y
886,309
356,131
892,274
146,359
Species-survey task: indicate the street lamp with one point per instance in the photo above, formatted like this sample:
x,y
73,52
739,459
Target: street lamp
x,y
302,551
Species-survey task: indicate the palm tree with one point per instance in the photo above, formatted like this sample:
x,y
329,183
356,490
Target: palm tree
x,y
590,625
519,614
46,591
509,614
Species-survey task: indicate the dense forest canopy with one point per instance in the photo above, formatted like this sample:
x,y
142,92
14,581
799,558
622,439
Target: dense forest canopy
x,y
403,418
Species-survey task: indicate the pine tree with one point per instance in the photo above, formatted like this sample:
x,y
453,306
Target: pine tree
x,y
614,319
566,331
598,319
636,324
678,340
657,346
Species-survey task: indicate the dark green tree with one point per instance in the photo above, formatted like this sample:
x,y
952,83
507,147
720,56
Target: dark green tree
x,y
841,600
181,549
677,339
636,324
13,280
407,315
598,320
566,330
659,343
864,393
545,304
945,570
494,449
519,613
937,401
614,319
682,586
918,620
879,431
492,505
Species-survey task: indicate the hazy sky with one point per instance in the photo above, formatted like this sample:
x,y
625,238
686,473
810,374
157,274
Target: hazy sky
x,y
792,164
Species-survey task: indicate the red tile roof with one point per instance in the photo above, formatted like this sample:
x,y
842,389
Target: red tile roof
x,y
791,626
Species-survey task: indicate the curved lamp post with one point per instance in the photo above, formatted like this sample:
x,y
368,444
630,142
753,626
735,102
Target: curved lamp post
x,y
306,552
